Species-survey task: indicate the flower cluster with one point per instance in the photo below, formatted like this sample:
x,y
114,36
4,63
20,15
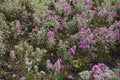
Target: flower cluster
x,y
62,33
100,72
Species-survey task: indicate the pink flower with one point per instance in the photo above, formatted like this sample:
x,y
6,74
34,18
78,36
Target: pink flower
x,y
87,0
103,79
73,36
3,52
1,43
37,59
12,52
58,68
82,31
60,28
37,22
35,30
87,46
95,68
81,45
49,65
59,61
79,22
89,30
17,25
102,11
50,11
74,1
118,74
93,11
55,29
67,7
105,29
22,78
118,4
60,41
114,13
118,25
107,41
70,77
89,40
79,15
109,77
102,65
72,51
86,19
51,33
51,39
94,76
24,8
19,31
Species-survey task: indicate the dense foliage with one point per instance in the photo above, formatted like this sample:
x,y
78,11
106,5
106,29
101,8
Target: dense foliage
x,y
59,39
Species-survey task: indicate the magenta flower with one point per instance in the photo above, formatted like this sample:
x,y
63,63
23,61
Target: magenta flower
x,y
17,25
19,31
95,68
72,51
107,41
119,74
118,25
60,28
118,4
87,46
51,33
87,1
70,77
22,78
55,29
3,53
82,31
102,65
79,15
93,11
86,19
50,65
24,8
89,30
1,43
12,52
79,22
114,13
74,36
50,11
59,61
67,7
89,40
37,22
35,30
94,76
51,39
102,11
81,45
105,29
58,68
60,41
37,59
